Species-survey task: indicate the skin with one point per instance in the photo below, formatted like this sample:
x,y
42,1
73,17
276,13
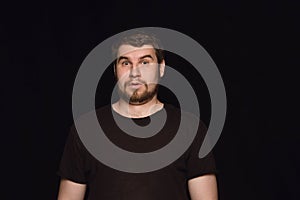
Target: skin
x,y
203,188
137,72
69,190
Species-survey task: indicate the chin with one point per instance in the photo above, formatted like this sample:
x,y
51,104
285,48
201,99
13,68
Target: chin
x,y
139,101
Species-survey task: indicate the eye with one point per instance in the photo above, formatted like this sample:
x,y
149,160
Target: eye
x,y
125,63
145,62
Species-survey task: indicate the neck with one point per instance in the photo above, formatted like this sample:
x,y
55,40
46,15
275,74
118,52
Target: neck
x,y
137,110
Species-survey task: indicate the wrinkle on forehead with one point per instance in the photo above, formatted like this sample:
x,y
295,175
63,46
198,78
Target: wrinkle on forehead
x,y
127,49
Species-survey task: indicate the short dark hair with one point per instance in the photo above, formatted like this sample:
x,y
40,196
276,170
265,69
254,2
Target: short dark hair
x,y
138,39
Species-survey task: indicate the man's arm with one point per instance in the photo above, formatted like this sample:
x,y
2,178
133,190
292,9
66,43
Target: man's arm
x,y
69,190
203,188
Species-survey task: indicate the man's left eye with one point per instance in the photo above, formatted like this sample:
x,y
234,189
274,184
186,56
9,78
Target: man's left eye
x,y
145,62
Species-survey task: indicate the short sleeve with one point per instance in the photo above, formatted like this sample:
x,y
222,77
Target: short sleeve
x,y
199,166
72,164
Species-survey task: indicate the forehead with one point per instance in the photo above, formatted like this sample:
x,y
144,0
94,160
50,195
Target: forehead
x,y
129,50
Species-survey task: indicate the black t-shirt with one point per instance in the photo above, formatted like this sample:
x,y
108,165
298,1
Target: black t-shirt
x,y
105,183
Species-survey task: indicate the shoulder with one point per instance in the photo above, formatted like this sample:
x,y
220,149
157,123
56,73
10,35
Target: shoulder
x,y
92,113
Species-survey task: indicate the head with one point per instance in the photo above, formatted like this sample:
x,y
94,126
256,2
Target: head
x,y
138,66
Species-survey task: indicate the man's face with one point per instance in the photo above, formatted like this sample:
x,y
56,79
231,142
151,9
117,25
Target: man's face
x,y
137,72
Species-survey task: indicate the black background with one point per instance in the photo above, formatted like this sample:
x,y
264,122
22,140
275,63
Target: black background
x,y
254,44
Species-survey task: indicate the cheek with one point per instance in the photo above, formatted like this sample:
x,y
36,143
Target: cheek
x,y
150,74
121,73
151,78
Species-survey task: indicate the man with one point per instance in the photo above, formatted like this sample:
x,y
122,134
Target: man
x,y
138,67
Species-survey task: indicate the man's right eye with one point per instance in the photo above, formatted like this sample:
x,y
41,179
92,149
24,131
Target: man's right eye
x,y
126,63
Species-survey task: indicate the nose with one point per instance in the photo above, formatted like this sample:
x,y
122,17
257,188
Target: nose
x,y
134,71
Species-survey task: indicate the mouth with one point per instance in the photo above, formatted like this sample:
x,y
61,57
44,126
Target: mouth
x,y
135,85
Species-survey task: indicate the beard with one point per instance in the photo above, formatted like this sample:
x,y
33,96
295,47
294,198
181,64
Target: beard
x,y
139,96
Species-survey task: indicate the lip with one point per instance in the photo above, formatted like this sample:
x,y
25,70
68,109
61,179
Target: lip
x,y
135,84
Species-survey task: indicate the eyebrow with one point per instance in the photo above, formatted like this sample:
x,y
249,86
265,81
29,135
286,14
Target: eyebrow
x,y
126,58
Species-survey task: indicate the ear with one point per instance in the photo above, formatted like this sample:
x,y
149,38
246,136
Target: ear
x,y
115,72
162,66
